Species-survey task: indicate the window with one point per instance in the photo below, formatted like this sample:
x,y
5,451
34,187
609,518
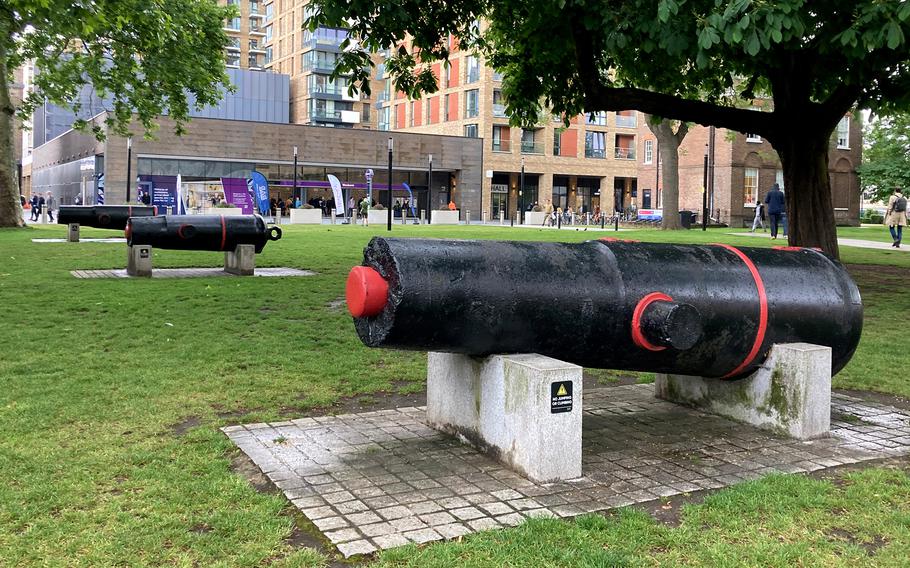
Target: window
x,y
268,30
384,118
445,108
497,76
233,24
366,112
529,143
268,55
596,118
626,119
255,61
595,145
413,109
649,151
232,59
471,99
470,130
499,106
750,187
473,70
448,76
779,179
843,134
254,25
254,7
557,140
501,139
753,138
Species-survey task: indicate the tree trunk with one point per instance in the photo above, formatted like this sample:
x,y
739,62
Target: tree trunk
x,y
810,210
668,146
10,207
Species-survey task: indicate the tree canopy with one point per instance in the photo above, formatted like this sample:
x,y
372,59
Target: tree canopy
x,y
886,159
688,60
146,58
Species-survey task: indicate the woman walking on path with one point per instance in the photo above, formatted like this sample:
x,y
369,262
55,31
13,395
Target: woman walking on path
x,y
896,216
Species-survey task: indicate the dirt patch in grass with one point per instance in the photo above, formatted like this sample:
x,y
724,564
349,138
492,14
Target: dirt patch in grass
x,y
244,466
185,425
870,547
380,400
877,278
668,510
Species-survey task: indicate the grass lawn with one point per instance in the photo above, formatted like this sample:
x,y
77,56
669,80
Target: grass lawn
x,y
113,392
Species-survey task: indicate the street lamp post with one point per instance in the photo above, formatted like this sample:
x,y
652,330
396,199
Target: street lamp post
x,y
704,194
521,189
430,190
389,198
296,197
129,166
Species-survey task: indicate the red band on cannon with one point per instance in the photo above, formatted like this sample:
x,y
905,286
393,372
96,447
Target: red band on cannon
x,y
762,310
637,336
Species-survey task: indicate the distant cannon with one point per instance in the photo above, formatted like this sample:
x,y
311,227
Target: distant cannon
x,y
100,217
240,237
201,232
711,311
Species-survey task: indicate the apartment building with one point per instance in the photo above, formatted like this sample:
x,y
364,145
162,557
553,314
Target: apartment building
x,y
568,166
308,58
246,32
745,167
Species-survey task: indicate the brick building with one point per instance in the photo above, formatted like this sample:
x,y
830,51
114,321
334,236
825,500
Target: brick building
x,y
570,166
745,167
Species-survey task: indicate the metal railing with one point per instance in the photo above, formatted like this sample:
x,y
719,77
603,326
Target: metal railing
x,y
624,121
624,153
598,153
502,145
531,148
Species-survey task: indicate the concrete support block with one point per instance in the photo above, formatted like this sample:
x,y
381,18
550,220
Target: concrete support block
x,y
72,233
790,394
524,410
139,260
241,261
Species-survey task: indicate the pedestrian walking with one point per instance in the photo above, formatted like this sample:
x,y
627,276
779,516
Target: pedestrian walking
x,y
759,219
364,211
896,216
776,208
34,204
51,203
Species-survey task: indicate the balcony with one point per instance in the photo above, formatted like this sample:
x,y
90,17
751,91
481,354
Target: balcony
x,y
598,153
499,110
327,90
626,121
502,146
624,153
325,115
319,66
531,148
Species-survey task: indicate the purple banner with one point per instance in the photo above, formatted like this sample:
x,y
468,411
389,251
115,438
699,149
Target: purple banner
x,y
237,194
160,191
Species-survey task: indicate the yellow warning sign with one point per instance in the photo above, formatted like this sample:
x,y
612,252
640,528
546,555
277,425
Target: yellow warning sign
x,y
560,397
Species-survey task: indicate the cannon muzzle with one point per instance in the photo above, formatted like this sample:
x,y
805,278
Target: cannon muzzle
x,y
712,311
201,232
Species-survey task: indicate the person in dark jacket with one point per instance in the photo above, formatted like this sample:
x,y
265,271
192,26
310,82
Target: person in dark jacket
x,y
776,207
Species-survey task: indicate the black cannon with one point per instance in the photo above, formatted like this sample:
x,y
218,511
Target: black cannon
x,y
201,232
103,216
713,311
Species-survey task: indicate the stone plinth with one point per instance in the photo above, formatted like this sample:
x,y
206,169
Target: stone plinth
x,y
72,233
139,260
241,261
524,410
790,394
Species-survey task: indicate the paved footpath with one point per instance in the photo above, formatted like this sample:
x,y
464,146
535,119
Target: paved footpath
x,y
859,243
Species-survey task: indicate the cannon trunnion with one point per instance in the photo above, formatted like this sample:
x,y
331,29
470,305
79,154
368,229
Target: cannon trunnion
x,y
708,310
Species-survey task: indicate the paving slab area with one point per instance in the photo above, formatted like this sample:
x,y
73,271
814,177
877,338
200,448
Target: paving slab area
x,y
190,273
381,479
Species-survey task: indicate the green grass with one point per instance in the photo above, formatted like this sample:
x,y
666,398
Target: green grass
x,y
98,375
